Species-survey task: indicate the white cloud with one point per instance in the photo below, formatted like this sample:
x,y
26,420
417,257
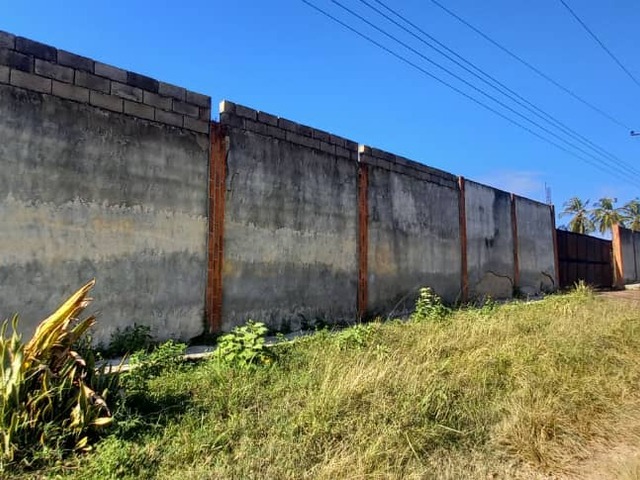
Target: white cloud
x,y
521,182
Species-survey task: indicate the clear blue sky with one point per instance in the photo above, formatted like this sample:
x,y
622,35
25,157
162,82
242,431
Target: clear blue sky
x,y
284,58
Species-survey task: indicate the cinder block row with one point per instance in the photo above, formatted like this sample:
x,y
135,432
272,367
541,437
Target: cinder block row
x,y
396,163
239,116
260,122
35,66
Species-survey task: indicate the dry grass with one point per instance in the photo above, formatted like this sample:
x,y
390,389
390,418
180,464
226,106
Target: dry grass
x,y
515,391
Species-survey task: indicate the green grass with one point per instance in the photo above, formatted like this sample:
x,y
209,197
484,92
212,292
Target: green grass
x,y
517,390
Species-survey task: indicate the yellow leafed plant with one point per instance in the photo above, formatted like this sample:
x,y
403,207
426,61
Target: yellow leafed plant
x,y
48,397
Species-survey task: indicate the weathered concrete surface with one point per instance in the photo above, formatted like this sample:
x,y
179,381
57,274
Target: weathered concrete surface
x,y
88,193
489,242
630,244
535,247
290,233
414,241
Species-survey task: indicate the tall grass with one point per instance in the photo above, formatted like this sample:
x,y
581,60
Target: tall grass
x,y
513,391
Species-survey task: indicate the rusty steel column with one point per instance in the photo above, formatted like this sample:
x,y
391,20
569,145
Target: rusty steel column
x,y
618,261
215,241
363,239
554,233
514,232
464,268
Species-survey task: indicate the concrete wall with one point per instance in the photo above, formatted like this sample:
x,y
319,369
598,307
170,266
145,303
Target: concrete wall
x,y
414,233
290,222
103,174
630,247
535,246
489,242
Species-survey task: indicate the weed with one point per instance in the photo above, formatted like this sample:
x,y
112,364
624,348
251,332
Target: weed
x,y
429,306
132,338
245,346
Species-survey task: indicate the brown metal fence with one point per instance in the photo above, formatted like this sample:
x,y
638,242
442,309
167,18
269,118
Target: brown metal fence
x,y
582,257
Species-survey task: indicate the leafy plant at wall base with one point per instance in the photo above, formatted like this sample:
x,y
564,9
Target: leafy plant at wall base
x,y
130,339
145,366
245,346
429,306
49,398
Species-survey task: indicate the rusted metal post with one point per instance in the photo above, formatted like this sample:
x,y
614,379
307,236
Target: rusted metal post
x,y
464,268
514,232
554,233
618,260
215,243
363,239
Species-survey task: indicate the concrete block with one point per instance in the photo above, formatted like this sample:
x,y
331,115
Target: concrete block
x,y
276,132
320,135
231,120
110,72
337,140
55,71
268,119
364,149
7,40
108,102
304,130
4,74
139,110
36,49
353,146
288,125
342,152
126,91
185,108
246,112
156,100
327,147
303,140
196,125
30,81
256,127
376,152
143,82
72,60
172,91
205,114
169,118
198,99
227,107
92,82
70,92
13,59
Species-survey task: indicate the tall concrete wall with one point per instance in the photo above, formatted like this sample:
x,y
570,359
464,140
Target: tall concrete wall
x,y
630,249
103,174
290,222
536,252
489,242
414,232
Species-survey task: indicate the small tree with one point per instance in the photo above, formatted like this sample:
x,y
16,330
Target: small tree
x,y
605,214
631,214
580,221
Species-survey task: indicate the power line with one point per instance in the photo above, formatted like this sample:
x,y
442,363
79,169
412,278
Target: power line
x,y
461,92
532,67
599,42
612,160
469,84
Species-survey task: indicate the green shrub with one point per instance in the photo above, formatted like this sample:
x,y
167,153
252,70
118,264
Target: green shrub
x,y
429,306
244,347
52,398
132,338
355,337
145,366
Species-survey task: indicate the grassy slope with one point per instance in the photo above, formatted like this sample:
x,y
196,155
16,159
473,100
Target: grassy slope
x,y
517,391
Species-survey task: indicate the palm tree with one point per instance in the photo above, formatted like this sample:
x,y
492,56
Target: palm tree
x,y
605,214
631,214
580,221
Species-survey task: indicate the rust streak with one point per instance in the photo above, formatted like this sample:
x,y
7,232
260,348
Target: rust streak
x,y
556,261
514,231
215,249
363,238
464,269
